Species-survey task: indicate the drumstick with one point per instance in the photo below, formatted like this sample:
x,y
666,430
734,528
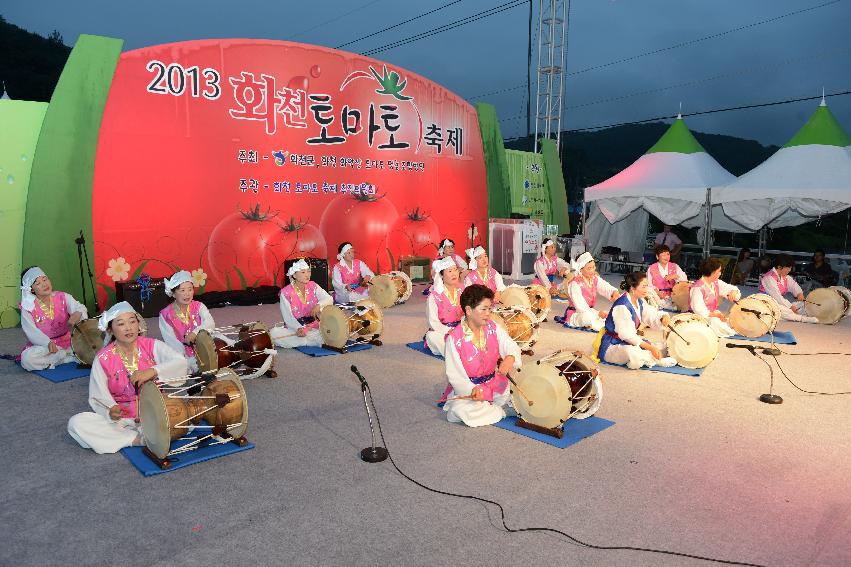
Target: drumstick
x,y
679,335
519,391
102,404
813,303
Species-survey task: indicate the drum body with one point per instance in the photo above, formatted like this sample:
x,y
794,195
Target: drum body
x,y
390,289
846,293
212,352
254,339
519,323
679,295
86,340
570,389
534,297
755,315
827,304
696,345
166,416
364,321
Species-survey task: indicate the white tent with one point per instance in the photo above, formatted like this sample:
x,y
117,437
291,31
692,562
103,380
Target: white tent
x,y
670,181
807,178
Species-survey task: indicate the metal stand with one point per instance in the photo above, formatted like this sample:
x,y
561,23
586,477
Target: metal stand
x,y
83,253
371,454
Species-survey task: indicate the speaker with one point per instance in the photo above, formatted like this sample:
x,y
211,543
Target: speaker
x,y
318,271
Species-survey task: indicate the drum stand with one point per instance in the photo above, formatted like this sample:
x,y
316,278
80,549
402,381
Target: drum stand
x,y
167,462
557,432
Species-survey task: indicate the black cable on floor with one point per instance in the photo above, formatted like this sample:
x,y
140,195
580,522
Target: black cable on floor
x,y
801,389
551,530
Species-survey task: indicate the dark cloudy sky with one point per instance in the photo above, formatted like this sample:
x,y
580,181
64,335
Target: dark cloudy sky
x,y
790,57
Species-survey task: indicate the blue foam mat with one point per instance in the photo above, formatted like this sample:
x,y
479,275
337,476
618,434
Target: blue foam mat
x,y
319,351
63,372
695,372
149,468
575,430
780,337
420,347
560,320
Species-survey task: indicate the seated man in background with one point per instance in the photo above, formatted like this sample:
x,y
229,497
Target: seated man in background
x,y
671,240
820,271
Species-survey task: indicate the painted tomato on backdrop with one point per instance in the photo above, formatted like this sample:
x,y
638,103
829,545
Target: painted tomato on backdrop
x,y
414,234
263,148
239,251
363,220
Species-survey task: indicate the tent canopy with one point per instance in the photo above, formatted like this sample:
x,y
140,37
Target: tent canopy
x,y
807,178
670,180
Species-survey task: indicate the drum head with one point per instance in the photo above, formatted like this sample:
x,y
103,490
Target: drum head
x,y
827,305
696,345
334,326
382,290
540,300
403,285
205,351
749,324
679,295
846,293
520,324
371,312
237,410
515,296
550,393
86,340
155,420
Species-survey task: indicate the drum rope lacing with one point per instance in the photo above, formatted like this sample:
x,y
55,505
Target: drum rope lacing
x,y
535,529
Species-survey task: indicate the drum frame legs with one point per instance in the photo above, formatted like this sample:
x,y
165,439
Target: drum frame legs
x,y
557,432
344,349
166,462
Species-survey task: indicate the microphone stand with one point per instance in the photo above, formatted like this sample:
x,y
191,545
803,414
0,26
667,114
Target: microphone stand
x,y
372,454
81,253
770,397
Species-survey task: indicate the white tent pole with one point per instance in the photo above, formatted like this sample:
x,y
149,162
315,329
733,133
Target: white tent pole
x,y
707,224
584,220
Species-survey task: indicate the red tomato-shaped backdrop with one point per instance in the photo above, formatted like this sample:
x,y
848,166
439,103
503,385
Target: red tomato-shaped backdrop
x,y
226,157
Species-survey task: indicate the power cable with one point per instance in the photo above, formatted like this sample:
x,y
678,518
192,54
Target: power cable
x,y
399,24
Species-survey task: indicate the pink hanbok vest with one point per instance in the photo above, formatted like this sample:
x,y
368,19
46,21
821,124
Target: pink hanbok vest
x,y
589,292
475,278
117,377
663,286
181,328
782,283
550,267
480,366
447,313
56,329
301,311
710,294
352,276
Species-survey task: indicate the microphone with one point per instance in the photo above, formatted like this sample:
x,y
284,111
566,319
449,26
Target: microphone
x,y
358,374
751,348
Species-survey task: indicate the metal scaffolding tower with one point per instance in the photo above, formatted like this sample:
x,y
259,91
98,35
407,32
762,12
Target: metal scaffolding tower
x,y
552,26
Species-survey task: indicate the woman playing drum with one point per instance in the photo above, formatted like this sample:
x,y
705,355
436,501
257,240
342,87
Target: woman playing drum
x,y
706,293
447,250
619,341
443,304
350,276
47,318
301,303
479,355
548,266
481,273
663,275
181,321
583,292
777,282
125,363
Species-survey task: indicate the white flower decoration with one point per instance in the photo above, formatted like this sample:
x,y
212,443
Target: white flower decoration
x,y
199,277
118,269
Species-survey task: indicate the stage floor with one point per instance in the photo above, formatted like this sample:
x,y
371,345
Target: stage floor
x,y
695,465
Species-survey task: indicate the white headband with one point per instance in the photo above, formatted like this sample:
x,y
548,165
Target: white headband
x,y
581,261
544,244
27,281
474,253
297,267
113,312
342,253
174,282
438,266
443,244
